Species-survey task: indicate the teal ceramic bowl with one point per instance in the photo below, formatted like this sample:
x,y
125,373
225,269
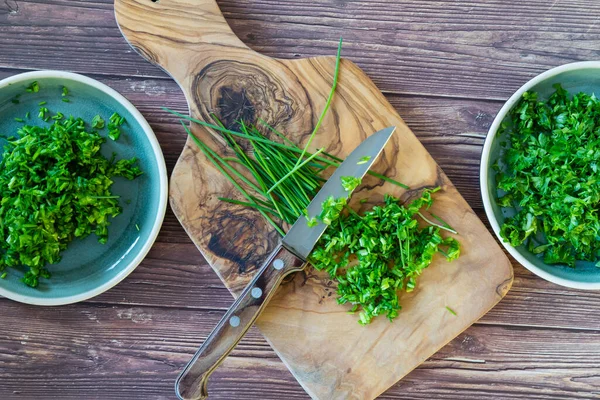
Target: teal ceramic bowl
x,y
88,268
575,77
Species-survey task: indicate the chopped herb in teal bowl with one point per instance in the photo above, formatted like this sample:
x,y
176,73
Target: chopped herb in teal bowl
x,y
546,133
108,155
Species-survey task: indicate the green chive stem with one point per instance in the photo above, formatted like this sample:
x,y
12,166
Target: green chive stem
x,y
438,225
294,170
327,104
233,182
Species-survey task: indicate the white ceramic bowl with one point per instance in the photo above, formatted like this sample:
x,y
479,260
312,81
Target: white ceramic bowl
x,y
89,268
575,77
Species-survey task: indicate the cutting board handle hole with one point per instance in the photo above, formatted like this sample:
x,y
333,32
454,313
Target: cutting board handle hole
x,y
154,1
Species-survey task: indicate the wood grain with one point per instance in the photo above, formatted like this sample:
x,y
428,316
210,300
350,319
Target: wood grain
x,y
193,382
450,48
219,74
181,292
124,352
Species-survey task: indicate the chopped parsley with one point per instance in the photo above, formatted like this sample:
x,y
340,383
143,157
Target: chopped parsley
x,y
549,175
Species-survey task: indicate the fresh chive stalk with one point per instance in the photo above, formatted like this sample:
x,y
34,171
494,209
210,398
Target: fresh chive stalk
x,y
327,104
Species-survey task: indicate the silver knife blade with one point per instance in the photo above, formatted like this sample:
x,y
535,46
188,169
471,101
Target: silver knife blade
x,y
301,238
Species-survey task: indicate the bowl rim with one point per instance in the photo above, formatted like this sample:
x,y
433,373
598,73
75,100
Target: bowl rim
x,y
483,172
163,185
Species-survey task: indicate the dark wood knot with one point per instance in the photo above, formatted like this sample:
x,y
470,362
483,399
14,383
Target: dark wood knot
x,y
239,237
237,91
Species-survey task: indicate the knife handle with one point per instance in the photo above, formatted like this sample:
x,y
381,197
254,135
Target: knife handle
x,y
192,383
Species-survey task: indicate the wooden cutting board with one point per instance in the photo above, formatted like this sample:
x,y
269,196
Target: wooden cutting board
x,y
330,354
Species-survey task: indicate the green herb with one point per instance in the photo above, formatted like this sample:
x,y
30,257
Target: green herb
x,y
115,121
312,222
451,311
363,160
376,255
65,91
19,120
41,103
43,113
34,87
137,227
327,103
349,183
548,175
64,99
27,114
293,170
332,209
97,122
4,275
443,225
114,134
55,186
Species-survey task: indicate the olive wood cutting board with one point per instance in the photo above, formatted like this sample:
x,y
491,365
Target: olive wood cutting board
x,y
331,355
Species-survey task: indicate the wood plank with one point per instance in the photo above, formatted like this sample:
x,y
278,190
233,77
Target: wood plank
x,y
121,352
443,48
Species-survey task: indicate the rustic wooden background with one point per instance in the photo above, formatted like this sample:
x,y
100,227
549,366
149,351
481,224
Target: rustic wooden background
x,y
447,66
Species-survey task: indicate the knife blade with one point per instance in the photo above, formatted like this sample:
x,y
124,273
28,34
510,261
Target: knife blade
x,y
301,238
289,256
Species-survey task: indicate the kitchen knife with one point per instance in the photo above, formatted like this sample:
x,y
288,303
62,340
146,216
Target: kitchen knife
x,y
289,256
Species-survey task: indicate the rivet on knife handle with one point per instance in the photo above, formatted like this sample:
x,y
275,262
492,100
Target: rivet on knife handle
x,y
193,382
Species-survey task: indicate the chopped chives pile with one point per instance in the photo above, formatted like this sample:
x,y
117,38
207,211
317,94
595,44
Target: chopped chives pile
x,y
380,253
55,186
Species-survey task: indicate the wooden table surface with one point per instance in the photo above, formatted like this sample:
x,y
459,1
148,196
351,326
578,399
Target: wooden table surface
x,y
447,66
